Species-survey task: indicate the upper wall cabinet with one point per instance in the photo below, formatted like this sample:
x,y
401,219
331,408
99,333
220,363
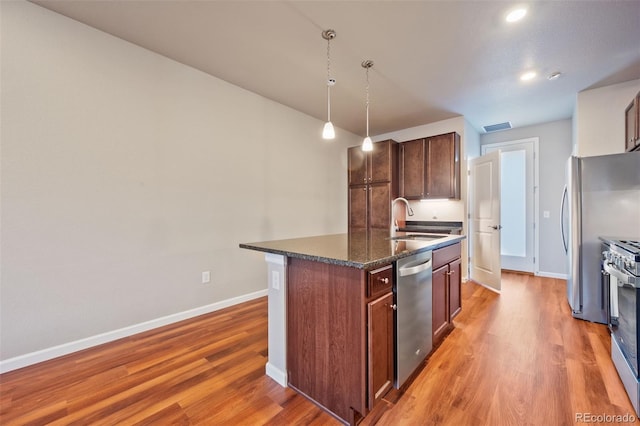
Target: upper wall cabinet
x,y
373,183
374,166
632,125
430,167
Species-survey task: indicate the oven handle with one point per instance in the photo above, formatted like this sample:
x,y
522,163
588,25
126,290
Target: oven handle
x,y
612,297
624,280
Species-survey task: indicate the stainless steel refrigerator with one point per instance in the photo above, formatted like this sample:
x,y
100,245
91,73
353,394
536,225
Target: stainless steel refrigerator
x,y
601,198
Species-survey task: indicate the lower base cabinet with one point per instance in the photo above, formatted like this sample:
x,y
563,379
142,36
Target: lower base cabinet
x,y
440,316
380,347
340,335
446,294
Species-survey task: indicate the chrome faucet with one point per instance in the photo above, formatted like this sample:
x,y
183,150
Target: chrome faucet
x,y
394,221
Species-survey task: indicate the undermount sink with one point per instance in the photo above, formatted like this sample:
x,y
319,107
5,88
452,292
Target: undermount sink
x,y
422,237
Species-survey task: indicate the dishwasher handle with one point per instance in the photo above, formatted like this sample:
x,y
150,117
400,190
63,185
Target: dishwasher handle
x,y
406,271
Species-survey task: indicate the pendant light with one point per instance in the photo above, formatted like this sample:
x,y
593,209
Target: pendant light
x,y
367,145
328,132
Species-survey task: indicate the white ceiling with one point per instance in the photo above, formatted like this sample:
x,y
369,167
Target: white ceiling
x,y
433,59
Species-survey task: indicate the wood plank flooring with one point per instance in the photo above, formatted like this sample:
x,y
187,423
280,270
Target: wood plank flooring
x,y
513,359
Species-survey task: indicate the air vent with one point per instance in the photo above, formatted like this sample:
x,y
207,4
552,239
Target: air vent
x,y
495,127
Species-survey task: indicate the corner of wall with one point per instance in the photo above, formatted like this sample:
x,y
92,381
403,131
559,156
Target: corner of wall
x,y
599,127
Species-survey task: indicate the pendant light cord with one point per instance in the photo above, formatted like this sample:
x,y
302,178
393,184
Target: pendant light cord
x,y
328,78
367,90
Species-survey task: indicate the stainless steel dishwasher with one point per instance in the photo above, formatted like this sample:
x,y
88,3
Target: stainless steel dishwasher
x,y
413,315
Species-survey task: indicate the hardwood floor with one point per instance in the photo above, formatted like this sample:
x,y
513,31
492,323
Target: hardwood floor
x,y
513,359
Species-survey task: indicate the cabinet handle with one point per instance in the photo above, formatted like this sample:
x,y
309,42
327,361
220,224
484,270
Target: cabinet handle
x,y
394,307
384,280
450,273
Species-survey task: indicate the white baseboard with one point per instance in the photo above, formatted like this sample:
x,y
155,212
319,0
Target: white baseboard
x,y
552,275
78,345
487,287
276,374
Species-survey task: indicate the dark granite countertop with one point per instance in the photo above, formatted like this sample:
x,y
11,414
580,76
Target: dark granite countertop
x,y
357,249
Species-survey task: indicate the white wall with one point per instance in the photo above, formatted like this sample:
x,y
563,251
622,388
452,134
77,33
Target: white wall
x,y
554,149
126,174
469,147
599,127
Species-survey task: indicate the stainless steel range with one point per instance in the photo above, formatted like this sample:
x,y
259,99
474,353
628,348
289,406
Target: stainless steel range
x,y
621,276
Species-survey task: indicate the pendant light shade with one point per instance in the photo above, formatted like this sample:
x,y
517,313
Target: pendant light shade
x,y
328,131
367,145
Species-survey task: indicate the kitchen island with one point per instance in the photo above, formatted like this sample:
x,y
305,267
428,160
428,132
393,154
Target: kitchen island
x,y
331,315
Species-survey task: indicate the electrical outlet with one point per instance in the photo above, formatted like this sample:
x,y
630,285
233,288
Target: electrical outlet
x,y
275,280
546,214
206,277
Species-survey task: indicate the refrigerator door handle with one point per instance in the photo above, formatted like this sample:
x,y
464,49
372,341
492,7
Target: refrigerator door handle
x,y
574,236
562,205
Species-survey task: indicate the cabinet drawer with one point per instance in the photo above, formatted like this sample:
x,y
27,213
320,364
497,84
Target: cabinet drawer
x,y
445,255
380,281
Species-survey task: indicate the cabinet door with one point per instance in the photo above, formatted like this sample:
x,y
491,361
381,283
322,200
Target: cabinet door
x,y
358,206
380,205
440,316
443,166
413,169
357,164
455,281
380,338
381,162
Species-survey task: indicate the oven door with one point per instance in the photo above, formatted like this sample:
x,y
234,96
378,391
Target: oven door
x,y
626,330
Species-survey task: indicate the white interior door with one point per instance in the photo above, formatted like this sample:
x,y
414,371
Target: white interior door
x,y
518,201
484,183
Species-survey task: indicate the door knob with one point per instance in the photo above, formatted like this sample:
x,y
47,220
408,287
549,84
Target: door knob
x,y
496,227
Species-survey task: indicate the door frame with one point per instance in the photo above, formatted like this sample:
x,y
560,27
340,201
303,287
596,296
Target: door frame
x,y
536,193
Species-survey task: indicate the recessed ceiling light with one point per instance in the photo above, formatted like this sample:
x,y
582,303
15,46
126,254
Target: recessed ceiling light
x,y
529,75
516,15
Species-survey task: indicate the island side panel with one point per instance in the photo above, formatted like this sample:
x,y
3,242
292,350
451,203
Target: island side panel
x,y
326,328
276,367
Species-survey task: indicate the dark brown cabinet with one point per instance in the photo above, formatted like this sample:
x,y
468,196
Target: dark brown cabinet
x,y
380,335
446,290
440,319
340,335
358,206
430,167
412,160
455,283
369,206
373,184
632,125
378,165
